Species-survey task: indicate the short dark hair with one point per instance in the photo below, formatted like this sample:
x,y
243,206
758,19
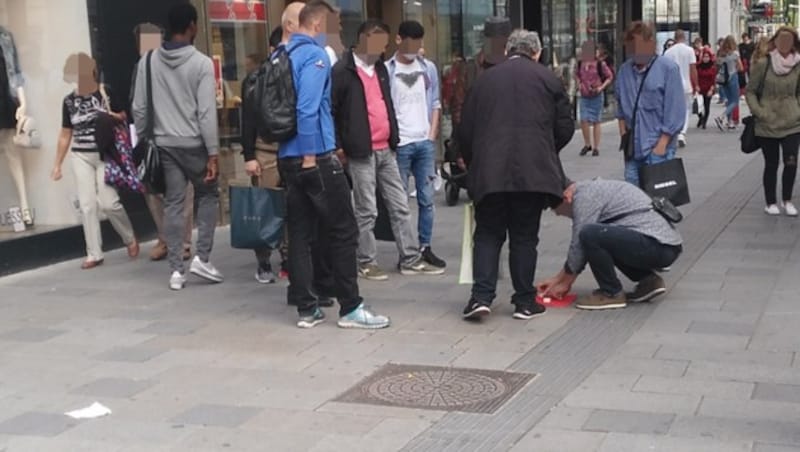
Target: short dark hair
x,y
181,17
313,9
370,25
411,29
276,37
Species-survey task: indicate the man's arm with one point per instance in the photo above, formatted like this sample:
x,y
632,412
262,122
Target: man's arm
x,y
674,112
311,79
586,209
207,107
693,76
435,93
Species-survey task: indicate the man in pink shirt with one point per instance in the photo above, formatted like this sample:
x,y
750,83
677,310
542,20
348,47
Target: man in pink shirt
x,y
367,136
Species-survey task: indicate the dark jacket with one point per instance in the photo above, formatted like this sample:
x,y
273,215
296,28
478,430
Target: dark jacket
x,y
515,121
349,107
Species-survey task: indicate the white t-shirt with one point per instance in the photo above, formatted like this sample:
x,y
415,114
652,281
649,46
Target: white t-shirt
x,y
684,56
410,103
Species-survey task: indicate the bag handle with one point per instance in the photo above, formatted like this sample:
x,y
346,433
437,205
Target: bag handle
x,y
149,128
638,95
104,95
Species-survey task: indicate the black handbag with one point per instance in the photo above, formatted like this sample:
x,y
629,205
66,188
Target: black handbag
x,y
749,140
665,180
627,144
151,172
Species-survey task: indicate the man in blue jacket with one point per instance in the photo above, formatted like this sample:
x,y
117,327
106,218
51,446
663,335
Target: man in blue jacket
x,y
317,192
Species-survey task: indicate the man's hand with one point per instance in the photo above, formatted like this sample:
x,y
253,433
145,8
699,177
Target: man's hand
x,y
341,156
660,150
212,169
252,168
557,286
309,161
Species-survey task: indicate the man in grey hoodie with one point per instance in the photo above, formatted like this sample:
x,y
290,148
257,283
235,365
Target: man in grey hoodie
x,y
184,105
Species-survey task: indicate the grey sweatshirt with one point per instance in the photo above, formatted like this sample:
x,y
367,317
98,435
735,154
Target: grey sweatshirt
x,y
184,99
598,200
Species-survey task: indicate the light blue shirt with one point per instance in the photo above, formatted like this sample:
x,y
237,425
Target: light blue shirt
x,y
432,94
662,104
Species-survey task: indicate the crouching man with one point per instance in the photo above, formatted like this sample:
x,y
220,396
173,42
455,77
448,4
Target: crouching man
x,y
614,225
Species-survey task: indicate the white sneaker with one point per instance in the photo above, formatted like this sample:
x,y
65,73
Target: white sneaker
x,y
205,270
772,209
682,140
790,209
177,281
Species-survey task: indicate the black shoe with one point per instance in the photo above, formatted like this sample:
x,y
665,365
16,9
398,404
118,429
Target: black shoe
x,y
595,152
432,259
476,310
585,150
528,312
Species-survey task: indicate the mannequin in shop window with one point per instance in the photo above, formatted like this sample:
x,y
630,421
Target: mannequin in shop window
x,y
13,107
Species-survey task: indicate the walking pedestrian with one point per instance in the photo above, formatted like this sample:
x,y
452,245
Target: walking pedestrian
x,y
593,77
366,127
646,87
614,225
185,129
684,57
775,103
515,121
317,192
707,81
746,49
150,37
728,66
414,84
79,111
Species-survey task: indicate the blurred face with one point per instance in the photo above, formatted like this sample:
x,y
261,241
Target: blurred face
x,y
148,42
372,45
784,42
588,52
641,49
408,47
706,58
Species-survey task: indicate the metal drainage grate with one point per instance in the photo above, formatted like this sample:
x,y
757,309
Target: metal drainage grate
x,y
437,388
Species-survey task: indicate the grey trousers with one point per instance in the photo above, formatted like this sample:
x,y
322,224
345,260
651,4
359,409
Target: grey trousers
x,y
180,166
379,172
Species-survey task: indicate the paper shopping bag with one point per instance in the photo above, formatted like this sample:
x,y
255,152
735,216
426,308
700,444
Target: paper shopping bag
x,y
257,217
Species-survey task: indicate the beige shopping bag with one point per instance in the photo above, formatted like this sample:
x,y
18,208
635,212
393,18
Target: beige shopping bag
x,y
465,277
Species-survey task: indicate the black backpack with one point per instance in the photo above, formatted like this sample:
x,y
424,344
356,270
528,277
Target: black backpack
x,y
272,98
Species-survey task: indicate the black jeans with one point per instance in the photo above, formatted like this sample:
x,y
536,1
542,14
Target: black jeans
x,y
636,255
319,210
706,110
771,148
519,214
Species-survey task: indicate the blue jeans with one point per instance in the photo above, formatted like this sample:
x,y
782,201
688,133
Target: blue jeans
x,y
632,166
732,95
419,159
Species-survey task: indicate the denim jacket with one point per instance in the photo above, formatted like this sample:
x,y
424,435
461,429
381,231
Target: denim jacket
x,y
431,82
9,50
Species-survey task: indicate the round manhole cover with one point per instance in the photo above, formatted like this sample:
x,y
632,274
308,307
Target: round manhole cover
x,y
436,388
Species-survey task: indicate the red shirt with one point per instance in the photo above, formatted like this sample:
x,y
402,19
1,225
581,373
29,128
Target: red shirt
x,y
376,110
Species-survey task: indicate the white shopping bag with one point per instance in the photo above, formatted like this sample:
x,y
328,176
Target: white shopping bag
x,y
465,276
700,105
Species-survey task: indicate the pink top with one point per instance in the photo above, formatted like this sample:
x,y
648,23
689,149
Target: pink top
x,y
376,110
589,77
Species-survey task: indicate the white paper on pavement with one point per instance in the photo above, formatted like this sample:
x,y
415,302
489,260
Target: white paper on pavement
x,y
465,275
95,410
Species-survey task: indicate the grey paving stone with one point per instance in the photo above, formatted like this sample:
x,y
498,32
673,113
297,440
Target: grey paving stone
x,y
629,422
217,415
699,352
137,354
37,424
751,409
764,447
624,442
729,429
733,390
734,329
555,440
565,418
113,387
633,401
743,372
777,392
31,334
645,366
170,328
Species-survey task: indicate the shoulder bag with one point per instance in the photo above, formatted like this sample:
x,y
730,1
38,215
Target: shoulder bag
x,y
151,173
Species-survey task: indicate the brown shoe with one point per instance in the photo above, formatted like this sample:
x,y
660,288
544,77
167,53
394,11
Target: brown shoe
x,y
88,265
647,289
159,251
599,301
133,249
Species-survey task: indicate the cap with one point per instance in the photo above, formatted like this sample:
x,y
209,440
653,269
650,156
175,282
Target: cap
x,y
496,26
495,32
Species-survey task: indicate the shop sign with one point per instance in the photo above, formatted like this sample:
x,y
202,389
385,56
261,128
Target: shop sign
x,y
237,11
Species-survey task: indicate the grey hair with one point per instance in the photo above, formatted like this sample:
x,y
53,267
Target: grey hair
x,y
524,42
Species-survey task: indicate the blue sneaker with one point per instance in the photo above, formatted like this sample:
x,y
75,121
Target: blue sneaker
x,y
363,318
312,320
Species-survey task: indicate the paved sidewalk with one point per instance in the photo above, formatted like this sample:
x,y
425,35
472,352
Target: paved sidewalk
x,y
711,367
